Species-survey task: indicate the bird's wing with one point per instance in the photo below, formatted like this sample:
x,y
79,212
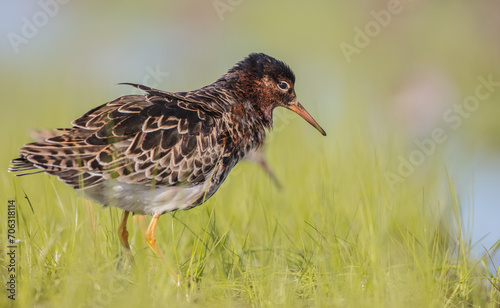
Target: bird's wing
x,y
137,139
212,109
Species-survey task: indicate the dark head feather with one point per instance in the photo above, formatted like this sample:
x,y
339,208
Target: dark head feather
x,y
260,65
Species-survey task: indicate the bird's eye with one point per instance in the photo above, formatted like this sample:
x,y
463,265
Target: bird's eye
x,y
283,85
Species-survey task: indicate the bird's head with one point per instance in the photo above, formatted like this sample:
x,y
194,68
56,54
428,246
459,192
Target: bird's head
x,y
267,83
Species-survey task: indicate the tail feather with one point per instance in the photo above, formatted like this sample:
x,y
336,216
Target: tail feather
x,y
20,165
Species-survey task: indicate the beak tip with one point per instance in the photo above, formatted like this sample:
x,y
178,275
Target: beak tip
x,y
298,109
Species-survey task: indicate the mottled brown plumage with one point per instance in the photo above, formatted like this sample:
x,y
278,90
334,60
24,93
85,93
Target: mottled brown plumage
x,y
163,151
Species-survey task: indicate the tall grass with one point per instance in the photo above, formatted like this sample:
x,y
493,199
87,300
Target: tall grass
x,y
336,235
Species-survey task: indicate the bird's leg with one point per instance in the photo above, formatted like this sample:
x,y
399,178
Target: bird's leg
x,y
263,163
150,234
122,231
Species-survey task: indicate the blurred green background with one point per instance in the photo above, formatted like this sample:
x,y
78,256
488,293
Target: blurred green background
x,y
382,73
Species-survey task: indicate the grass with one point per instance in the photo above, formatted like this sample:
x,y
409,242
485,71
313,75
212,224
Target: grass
x,y
336,235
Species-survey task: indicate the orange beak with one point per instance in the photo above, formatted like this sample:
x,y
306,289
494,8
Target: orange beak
x,y
301,111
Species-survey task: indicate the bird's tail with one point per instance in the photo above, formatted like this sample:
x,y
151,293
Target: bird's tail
x,y
22,165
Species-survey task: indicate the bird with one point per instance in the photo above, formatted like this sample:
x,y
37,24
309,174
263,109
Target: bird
x,y
161,151
256,156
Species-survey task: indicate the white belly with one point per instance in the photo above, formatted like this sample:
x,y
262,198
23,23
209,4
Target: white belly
x,y
142,199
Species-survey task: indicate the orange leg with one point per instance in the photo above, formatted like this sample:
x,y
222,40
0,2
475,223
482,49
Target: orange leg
x,y
263,163
122,231
150,234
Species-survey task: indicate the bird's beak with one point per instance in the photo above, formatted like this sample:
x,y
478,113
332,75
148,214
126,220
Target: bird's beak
x,y
301,111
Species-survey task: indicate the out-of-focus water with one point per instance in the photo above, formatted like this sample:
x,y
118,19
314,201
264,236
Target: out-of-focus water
x,y
478,186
